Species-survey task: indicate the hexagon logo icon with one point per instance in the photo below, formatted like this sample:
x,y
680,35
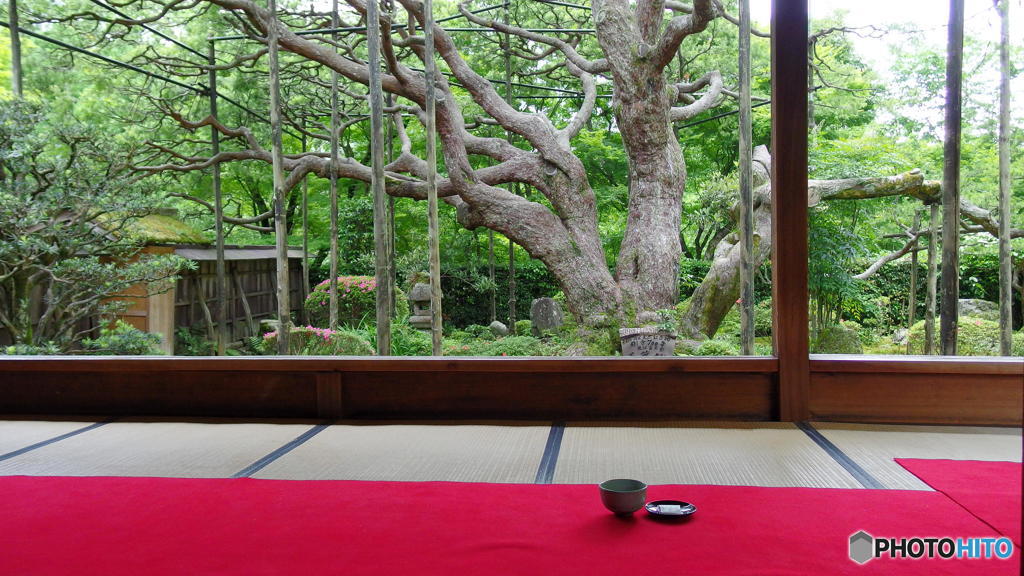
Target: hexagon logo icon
x,y
861,547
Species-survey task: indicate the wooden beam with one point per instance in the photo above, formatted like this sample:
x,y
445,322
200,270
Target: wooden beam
x,y
746,188
1005,251
949,315
789,208
380,232
218,209
430,128
280,200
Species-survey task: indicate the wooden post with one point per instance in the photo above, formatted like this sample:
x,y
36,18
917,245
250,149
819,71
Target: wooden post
x,y
1005,254
912,293
933,278
508,137
429,74
16,70
280,208
789,207
949,314
491,276
746,215
218,208
305,238
380,239
333,287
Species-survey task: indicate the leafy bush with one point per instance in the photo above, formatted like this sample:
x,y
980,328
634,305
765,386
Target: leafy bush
x,y
356,301
312,341
523,327
717,348
763,318
123,340
48,349
837,339
975,337
506,346
193,342
478,331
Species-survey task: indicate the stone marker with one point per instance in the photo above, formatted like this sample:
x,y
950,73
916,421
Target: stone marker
x,y
498,329
419,297
647,341
545,316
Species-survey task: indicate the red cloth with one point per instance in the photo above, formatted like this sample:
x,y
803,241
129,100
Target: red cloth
x,y
989,490
109,526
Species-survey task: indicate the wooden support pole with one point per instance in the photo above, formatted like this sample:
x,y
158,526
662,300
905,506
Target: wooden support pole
x,y
280,200
508,137
746,215
16,69
1005,254
304,293
218,208
789,206
933,280
491,275
333,285
430,76
949,315
380,239
911,299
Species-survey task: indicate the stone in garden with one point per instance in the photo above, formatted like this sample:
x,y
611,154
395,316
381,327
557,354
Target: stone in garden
x,y
498,329
545,316
647,341
979,309
419,297
901,336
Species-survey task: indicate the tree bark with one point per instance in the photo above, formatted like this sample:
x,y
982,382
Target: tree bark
x,y
16,69
746,211
280,216
1005,254
933,280
380,244
951,181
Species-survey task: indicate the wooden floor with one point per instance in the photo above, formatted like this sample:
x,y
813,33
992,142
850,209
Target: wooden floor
x,y
757,454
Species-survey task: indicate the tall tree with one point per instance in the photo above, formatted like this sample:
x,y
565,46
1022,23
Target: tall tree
x,y
951,181
1005,255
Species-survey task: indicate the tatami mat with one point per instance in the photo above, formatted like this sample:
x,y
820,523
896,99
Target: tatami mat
x,y
873,447
177,449
754,454
17,434
461,453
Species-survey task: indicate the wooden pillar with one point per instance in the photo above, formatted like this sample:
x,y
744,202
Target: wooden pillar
x,y
508,137
16,70
218,208
429,74
912,293
746,215
1005,254
933,277
491,275
380,240
789,206
304,293
949,315
333,284
280,207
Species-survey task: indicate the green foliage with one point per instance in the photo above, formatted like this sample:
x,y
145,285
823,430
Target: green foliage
x,y
356,302
763,318
505,346
975,337
717,347
836,339
312,341
65,204
122,340
467,297
192,341
523,327
47,349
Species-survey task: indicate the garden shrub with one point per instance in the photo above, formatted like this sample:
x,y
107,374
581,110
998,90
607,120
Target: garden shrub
x,y
356,302
478,331
48,349
523,327
975,337
506,346
837,339
763,318
312,341
716,348
193,342
123,339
